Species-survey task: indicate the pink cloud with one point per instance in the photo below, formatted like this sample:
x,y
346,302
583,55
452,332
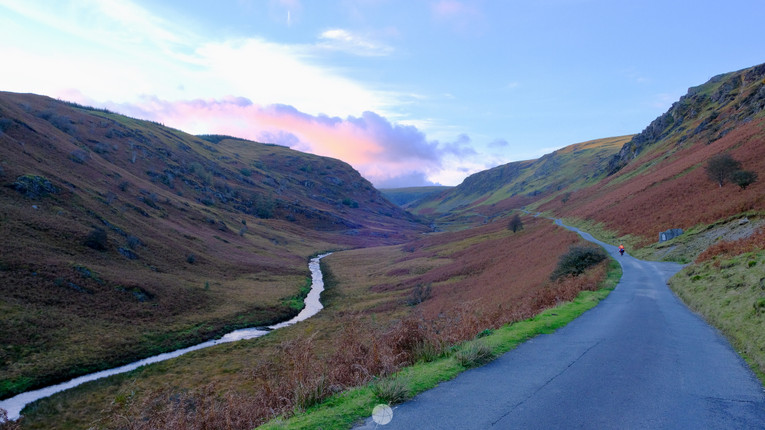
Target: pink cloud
x,y
383,152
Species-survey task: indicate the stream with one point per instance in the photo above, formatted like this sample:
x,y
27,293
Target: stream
x,y
313,305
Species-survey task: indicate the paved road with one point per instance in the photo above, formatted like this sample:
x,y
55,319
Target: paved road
x,y
639,360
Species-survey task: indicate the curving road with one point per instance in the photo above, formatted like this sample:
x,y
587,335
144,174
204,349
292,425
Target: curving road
x,y
638,360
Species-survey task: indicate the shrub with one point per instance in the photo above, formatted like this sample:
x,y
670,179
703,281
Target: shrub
x,y
5,124
350,202
743,178
97,239
577,260
391,390
133,242
310,393
63,123
79,156
420,293
34,186
428,350
474,353
191,258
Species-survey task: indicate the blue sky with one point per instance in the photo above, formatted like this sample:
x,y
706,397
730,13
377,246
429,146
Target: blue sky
x,y
407,92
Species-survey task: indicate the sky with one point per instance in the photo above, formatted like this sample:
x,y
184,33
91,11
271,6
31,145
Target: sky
x,y
408,92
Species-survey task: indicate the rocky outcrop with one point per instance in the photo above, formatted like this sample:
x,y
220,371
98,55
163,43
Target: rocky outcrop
x,y
707,112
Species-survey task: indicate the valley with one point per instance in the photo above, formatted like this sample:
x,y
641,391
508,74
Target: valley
x,y
123,238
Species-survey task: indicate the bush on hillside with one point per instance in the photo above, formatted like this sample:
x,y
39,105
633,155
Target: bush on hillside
x,y
34,186
578,259
97,239
5,124
744,178
420,293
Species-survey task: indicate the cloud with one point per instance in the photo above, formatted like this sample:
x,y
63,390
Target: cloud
x,y
344,40
117,50
407,179
383,152
499,143
460,147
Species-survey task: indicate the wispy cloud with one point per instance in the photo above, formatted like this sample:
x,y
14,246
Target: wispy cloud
x,y
346,41
499,143
101,48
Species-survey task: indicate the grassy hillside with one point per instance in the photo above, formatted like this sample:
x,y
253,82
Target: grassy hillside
x,y
123,238
498,190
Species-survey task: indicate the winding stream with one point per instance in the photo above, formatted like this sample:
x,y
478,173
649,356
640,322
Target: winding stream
x,y
313,305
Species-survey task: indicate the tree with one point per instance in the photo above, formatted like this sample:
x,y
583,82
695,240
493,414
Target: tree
x,y
743,178
720,168
515,224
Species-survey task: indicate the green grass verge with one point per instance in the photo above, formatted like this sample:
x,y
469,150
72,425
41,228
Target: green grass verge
x,y
730,294
342,410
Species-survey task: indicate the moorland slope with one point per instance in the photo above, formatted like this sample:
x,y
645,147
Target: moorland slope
x,y
123,238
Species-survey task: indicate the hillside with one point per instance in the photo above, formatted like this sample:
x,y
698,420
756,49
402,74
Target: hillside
x,y
658,180
122,238
513,185
405,197
634,187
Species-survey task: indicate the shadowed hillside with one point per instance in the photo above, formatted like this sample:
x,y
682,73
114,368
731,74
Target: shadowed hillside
x,y
122,238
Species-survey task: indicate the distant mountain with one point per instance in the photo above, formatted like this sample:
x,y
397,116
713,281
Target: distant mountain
x,y
407,195
116,227
515,184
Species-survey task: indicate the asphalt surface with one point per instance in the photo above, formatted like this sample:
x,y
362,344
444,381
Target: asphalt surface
x,y
638,360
